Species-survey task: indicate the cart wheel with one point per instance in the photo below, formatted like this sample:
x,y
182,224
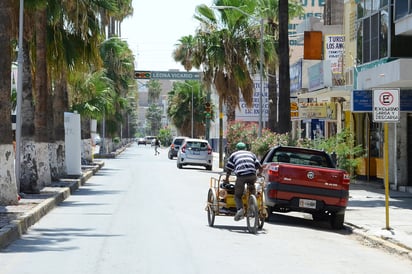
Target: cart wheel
x,y
252,215
262,212
211,206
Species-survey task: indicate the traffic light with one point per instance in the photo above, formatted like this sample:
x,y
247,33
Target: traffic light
x,y
208,110
207,107
142,75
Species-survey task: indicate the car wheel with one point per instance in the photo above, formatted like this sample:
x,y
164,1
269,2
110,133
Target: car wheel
x,y
208,167
336,220
179,166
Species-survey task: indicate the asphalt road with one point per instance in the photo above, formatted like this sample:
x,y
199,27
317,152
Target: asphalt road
x,y
140,214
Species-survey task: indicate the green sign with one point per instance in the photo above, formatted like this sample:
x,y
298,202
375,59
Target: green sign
x,y
168,75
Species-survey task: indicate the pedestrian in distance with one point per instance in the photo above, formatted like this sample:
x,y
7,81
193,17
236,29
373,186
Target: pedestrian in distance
x,y
245,165
157,145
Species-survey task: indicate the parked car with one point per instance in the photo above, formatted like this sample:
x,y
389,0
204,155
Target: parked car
x,y
305,180
195,152
175,146
141,141
149,139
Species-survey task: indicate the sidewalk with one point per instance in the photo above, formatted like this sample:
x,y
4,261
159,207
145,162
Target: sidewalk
x,y
15,220
365,215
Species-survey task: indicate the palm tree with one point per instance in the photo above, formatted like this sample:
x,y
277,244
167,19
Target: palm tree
x,y
269,10
180,108
74,48
225,45
91,95
155,89
284,74
154,116
8,193
119,63
183,52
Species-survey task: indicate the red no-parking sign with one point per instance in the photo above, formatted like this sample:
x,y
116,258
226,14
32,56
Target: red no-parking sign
x,y
386,106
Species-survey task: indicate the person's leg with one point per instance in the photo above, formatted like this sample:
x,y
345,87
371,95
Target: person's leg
x,y
239,189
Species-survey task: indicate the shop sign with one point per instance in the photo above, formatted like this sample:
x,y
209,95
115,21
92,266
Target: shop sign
x,y
324,110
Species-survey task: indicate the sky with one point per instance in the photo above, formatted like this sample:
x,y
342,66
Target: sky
x,y
156,27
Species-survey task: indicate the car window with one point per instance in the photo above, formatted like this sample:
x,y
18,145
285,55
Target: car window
x,y
300,158
179,141
197,145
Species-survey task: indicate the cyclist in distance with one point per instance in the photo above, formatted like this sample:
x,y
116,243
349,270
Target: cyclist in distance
x,y
157,145
245,165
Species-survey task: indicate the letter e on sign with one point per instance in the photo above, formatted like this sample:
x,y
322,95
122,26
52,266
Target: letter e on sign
x,y
386,105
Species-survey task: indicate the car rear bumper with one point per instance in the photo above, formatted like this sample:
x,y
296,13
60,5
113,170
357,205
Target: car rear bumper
x,y
191,161
292,197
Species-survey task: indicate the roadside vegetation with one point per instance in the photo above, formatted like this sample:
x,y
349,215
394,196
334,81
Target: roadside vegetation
x,y
342,144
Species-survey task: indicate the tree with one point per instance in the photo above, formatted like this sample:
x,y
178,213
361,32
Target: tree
x,y
8,193
118,61
153,117
227,49
269,10
155,89
180,111
74,34
284,74
183,52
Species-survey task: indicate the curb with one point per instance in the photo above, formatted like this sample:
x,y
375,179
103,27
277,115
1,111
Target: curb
x,y
386,244
60,191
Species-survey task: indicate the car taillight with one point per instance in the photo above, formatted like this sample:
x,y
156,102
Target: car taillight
x,y
346,179
209,149
184,149
273,173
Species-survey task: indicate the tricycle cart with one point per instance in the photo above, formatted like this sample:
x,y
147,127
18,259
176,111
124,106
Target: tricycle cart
x,y
221,202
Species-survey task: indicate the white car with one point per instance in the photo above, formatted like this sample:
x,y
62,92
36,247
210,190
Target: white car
x,y
195,152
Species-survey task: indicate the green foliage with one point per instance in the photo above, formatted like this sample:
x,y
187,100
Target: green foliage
x,y
240,132
268,140
347,154
165,136
116,140
154,117
248,133
343,144
180,107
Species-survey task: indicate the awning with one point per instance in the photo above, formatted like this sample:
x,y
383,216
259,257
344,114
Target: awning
x,y
326,93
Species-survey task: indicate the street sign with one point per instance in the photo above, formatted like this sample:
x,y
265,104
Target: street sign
x,y
175,75
386,106
167,75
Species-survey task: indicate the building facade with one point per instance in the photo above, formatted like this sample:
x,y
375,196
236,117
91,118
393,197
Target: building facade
x,y
365,53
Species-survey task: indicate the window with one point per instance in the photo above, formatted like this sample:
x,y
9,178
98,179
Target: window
x,y
372,34
401,8
383,37
375,25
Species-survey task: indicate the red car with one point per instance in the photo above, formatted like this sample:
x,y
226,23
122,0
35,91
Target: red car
x,y
305,180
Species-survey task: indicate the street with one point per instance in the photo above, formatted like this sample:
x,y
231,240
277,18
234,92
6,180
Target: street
x,y
141,214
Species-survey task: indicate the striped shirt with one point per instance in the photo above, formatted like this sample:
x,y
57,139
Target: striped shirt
x,y
242,163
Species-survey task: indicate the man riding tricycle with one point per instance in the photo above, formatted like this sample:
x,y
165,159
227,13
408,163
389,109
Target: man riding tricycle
x,y
228,196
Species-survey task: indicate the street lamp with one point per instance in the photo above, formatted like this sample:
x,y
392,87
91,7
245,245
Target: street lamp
x,y
261,60
191,88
